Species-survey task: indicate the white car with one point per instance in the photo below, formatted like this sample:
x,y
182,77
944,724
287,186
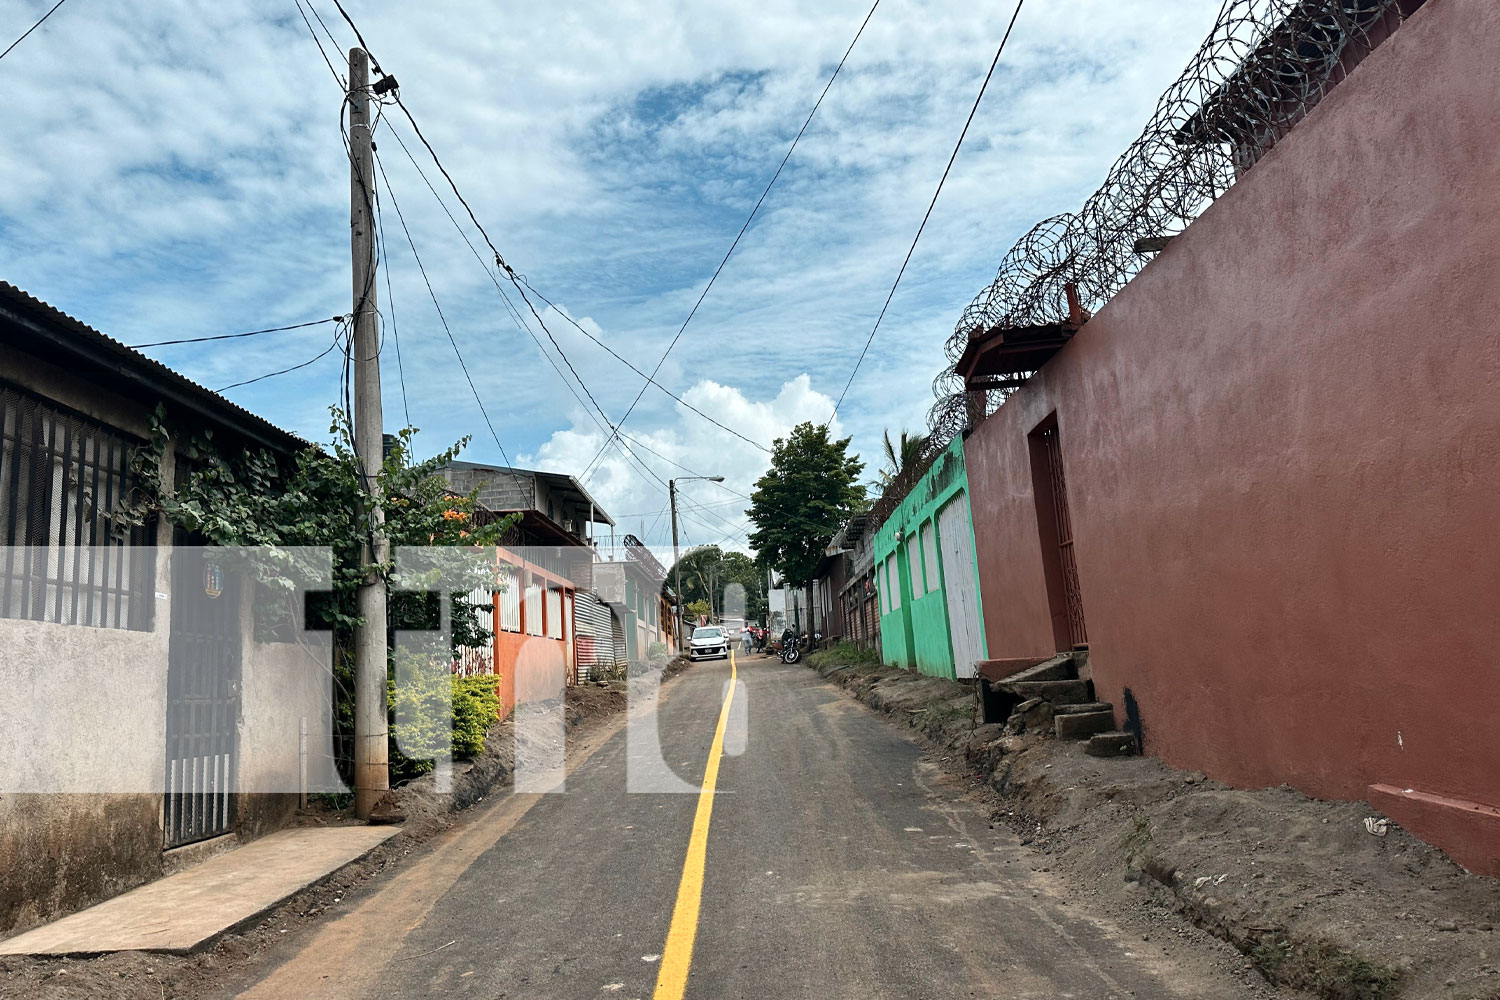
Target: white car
x,y
709,642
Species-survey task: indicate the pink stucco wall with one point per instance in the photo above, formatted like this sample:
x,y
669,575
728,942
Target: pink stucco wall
x,y
1282,448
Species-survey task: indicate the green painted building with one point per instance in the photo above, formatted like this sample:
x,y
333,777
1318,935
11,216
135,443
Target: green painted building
x,y
927,577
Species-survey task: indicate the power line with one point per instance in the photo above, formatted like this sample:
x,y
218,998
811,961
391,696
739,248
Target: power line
x,y
357,35
500,262
260,378
343,85
233,336
390,298
499,258
443,319
515,315
632,367
521,323
29,30
322,24
912,249
750,218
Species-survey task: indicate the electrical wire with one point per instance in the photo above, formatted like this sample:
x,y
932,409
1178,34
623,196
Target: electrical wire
x,y
443,319
29,30
522,324
338,335
750,218
233,336
511,274
385,265
366,294
343,84
324,25
941,181
632,367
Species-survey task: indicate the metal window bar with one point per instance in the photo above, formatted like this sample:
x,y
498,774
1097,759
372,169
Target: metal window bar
x,y
61,477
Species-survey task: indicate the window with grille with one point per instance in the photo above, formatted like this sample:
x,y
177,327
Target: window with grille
x,y
533,607
510,599
62,476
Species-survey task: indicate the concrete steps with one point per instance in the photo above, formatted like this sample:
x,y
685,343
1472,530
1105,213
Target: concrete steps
x,y
1063,692
1048,694
1082,725
1112,744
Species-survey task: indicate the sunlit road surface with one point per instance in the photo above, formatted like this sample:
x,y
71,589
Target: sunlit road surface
x,y
832,860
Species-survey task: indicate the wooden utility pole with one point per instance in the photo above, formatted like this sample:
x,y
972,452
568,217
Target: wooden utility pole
x,y
676,564
371,751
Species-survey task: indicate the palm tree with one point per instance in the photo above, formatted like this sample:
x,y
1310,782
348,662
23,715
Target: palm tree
x,y
900,457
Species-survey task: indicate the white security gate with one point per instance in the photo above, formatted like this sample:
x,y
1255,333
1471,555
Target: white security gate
x,y
961,585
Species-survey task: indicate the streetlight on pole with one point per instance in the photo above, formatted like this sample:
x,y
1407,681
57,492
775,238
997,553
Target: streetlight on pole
x,y
676,559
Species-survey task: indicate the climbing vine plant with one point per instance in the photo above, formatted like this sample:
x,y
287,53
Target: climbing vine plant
x,y
275,510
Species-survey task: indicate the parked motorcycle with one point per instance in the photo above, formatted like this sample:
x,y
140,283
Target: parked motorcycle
x,y
794,644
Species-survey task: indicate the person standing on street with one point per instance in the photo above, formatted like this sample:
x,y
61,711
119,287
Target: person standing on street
x,y
748,637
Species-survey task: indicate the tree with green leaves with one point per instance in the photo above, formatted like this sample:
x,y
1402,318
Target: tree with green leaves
x,y
811,489
279,509
708,571
899,457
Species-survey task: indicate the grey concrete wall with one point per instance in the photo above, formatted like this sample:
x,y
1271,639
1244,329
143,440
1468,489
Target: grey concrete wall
x,y
83,728
85,708
283,685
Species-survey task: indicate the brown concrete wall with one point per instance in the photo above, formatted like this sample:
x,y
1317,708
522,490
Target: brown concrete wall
x,y
1282,447
60,853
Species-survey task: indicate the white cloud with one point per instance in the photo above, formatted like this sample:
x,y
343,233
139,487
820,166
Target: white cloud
x,y
192,181
686,445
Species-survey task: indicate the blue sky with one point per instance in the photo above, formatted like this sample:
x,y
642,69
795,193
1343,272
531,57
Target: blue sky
x,y
175,169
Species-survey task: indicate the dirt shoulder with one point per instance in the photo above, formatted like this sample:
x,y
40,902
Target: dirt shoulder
x,y
1309,896
427,813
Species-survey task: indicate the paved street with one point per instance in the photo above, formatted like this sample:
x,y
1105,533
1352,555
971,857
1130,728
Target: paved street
x,y
839,863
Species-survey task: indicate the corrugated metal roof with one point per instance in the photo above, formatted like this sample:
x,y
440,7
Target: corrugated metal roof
x,y
69,335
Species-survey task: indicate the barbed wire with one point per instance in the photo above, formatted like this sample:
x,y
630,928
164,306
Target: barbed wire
x,y
1262,68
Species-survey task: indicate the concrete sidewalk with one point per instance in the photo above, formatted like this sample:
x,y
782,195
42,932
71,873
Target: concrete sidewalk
x,y
183,912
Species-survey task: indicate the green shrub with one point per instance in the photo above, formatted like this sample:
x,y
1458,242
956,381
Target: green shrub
x,y
476,707
656,651
430,707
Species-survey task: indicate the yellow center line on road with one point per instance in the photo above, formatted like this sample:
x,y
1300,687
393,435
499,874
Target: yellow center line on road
x,y
677,957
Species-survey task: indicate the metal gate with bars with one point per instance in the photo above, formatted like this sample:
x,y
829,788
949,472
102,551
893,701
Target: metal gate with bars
x,y
1072,593
203,697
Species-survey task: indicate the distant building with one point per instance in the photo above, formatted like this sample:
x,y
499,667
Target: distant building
x,y
922,554
547,617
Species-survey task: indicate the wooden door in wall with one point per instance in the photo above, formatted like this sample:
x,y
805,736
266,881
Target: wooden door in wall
x,y
203,696
960,585
1055,528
